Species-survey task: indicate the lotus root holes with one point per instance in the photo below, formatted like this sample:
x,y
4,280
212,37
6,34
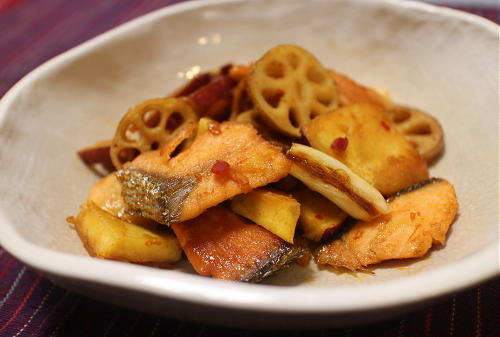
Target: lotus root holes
x,y
293,60
325,98
272,97
178,149
275,69
151,118
174,121
292,118
419,129
128,154
155,146
400,116
132,133
315,75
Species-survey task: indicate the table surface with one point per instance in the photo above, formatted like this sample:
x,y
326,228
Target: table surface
x,y
31,305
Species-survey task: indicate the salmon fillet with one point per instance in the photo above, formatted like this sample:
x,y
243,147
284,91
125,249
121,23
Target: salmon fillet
x,y
223,245
181,188
419,217
352,92
107,194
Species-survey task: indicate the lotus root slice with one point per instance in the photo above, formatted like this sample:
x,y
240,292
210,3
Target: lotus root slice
x,y
422,130
289,87
149,126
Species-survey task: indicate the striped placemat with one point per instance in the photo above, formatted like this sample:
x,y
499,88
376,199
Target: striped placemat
x,y
33,31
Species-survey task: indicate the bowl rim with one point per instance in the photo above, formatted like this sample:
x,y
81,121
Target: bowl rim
x,y
265,298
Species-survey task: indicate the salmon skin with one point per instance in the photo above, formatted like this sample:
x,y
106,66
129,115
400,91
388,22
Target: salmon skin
x,y
153,196
178,189
223,245
418,217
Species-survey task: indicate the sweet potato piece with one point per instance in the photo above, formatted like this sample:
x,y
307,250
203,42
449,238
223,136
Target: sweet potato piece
x,y
374,149
422,130
319,217
223,245
214,99
275,211
194,84
418,217
106,236
186,185
98,154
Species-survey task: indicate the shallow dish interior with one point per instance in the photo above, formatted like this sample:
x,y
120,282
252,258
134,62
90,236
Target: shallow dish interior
x,y
443,63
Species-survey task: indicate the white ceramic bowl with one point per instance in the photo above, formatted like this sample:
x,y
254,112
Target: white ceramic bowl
x,y
440,60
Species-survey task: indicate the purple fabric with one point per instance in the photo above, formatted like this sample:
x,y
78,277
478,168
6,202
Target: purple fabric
x,y
32,32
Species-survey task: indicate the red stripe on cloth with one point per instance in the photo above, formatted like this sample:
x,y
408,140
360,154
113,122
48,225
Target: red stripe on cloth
x,y
20,35
10,58
6,268
21,305
5,4
104,16
42,303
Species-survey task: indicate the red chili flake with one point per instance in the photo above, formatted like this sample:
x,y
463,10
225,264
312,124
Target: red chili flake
x,y
319,217
340,144
385,125
220,167
280,93
214,128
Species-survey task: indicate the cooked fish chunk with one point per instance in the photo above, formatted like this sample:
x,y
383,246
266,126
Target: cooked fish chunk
x,y
223,245
351,92
106,194
227,161
419,217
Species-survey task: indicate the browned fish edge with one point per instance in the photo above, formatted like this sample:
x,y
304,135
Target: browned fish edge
x,y
153,196
280,259
350,222
333,178
414,187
